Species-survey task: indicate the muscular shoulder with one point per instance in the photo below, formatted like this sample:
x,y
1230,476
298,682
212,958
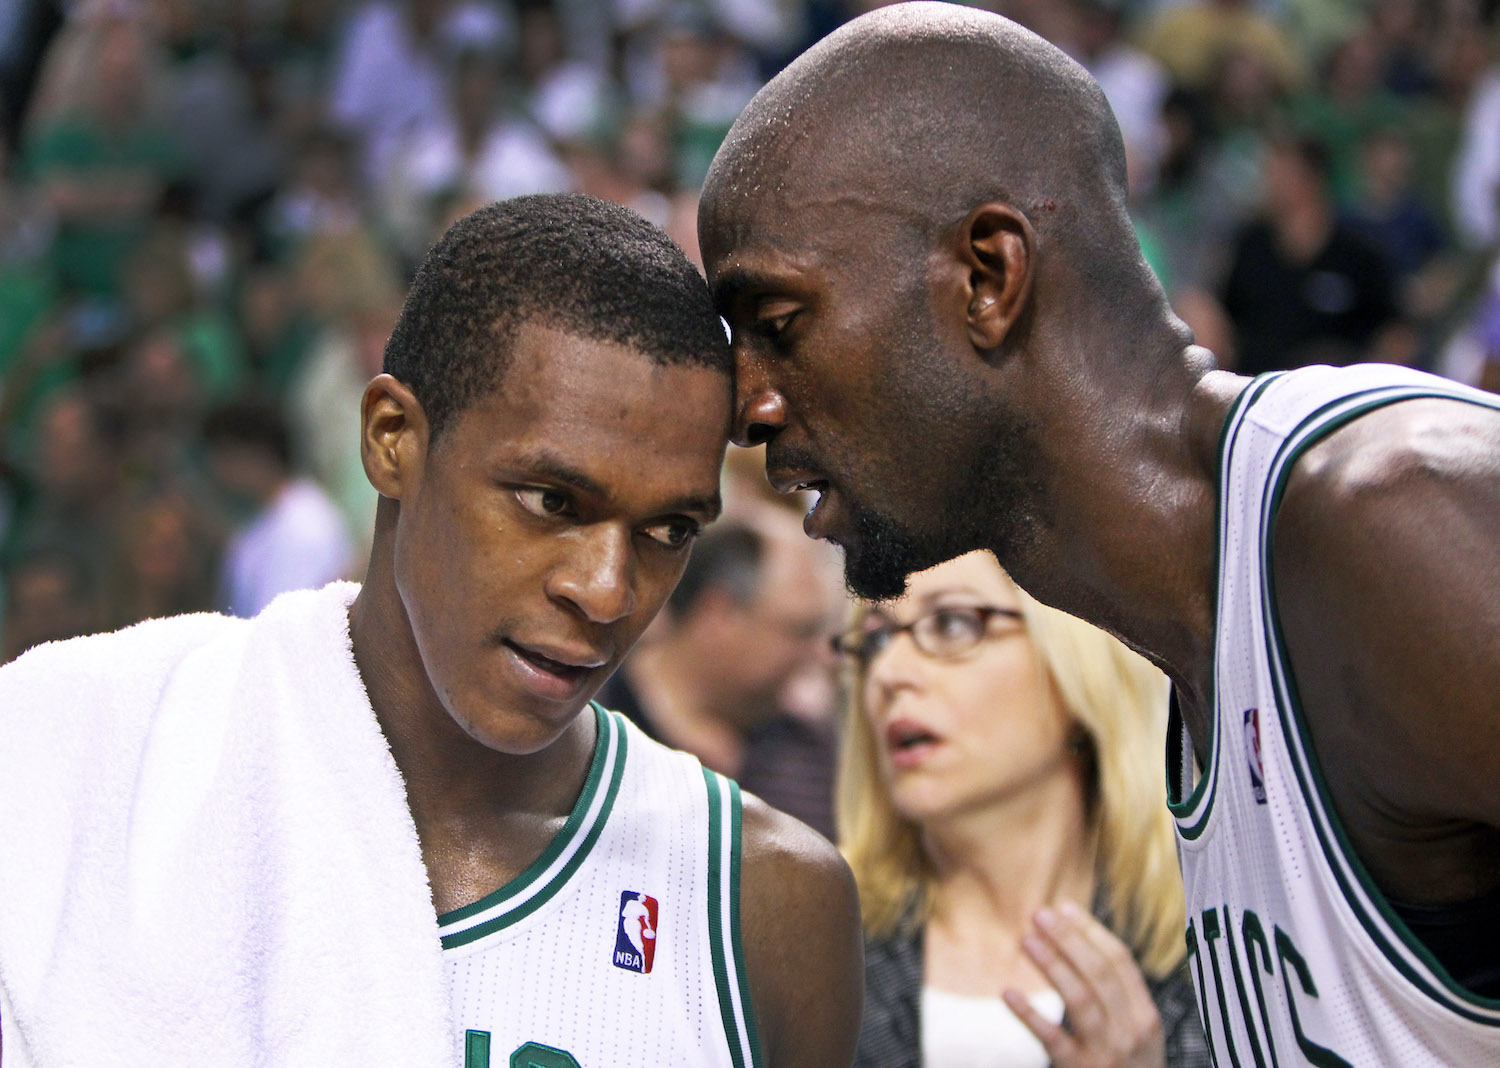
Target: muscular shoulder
x,y
800,924
1386,562
1407,496
1413,448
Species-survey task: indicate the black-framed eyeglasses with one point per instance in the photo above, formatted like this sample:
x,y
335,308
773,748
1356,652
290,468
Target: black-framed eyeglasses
x,y
942,633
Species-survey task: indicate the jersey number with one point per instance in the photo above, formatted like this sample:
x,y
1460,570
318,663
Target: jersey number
x,y
529,1055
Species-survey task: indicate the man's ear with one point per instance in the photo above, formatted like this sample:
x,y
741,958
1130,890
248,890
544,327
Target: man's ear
x,y
998,245
394,438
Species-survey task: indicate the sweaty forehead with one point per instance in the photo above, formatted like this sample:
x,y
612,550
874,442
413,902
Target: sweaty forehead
x,y
803,209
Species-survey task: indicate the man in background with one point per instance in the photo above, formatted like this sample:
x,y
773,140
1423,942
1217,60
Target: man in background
x,y
744,631
294,537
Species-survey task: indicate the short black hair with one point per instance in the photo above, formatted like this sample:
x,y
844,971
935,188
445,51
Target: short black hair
x,y
564,260
251,422
729,557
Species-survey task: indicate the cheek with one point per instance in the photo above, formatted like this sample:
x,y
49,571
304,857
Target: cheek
x,y
1003,701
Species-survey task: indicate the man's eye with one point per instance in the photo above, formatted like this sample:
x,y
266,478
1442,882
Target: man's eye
x,y
771,327
675,534
543,502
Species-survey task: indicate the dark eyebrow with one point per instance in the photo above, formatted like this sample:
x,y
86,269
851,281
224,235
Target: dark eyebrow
x,y
549,466
732,283
709,507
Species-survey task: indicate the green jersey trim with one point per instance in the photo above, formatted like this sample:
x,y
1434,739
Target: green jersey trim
x,y
728,953
540,882
1192,812
1388,931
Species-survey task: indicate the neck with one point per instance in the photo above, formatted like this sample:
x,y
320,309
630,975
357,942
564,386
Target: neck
x,y
1129,544
478,811
996,866
666,679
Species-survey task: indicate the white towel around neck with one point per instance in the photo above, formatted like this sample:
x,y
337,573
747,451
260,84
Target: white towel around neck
x,y
207,853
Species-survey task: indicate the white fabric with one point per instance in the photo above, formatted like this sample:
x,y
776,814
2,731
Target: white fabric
x,y
1476,170
959,1031
208,857
1289,942
300,542
640,832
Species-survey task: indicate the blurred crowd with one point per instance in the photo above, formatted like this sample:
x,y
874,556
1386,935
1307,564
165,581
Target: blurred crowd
x,y
209,211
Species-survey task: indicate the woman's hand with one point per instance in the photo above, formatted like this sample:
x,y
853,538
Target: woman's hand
x,y
1111,1021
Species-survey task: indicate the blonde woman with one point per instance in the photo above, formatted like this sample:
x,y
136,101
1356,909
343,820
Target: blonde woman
x,y
1001,802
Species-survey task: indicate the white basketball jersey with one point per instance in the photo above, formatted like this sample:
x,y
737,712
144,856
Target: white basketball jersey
x,y
1297,957
620,945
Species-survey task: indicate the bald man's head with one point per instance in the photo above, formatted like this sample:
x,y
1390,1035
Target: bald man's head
x,y
919,237
935,108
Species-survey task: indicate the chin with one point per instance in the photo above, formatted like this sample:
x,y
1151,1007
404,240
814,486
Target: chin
x,y
521,731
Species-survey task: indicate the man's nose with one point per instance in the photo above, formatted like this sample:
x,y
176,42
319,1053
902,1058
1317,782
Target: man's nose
x,y
599,578
760,408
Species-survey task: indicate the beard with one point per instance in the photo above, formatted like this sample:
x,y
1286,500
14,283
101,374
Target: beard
x,y
997,503
884,554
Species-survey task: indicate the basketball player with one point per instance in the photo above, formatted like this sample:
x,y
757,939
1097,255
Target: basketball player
x,y
546,441
942,322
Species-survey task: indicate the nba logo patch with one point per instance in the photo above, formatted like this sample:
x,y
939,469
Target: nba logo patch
x,y
1252,755
635,935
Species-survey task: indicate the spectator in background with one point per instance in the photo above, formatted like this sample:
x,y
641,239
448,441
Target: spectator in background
x,y
165,564
321,196
388,79
294,537
1189,40
97,150
161,294
1135,84
74,477
49,595
480,148
352,288
1303,286
1476,172
999,784
1389,212
752,611
1348,105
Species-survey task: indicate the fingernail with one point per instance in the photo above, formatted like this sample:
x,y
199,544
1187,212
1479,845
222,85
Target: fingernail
x,y
1070,910
1046,918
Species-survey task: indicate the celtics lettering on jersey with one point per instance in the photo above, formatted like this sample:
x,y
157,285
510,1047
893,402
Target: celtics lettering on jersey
x,y
1217,948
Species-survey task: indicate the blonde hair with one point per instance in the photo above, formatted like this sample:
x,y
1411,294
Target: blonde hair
x,y
1120,702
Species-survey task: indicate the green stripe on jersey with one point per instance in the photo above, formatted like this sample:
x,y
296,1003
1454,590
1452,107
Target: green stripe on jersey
x,y
724,921
540,882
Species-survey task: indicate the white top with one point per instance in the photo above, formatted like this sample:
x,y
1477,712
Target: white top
x,y
300,542
619,947
1297,957
960,1031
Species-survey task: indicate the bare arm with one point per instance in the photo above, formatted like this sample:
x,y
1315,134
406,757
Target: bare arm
x,y
1387,580
803,950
